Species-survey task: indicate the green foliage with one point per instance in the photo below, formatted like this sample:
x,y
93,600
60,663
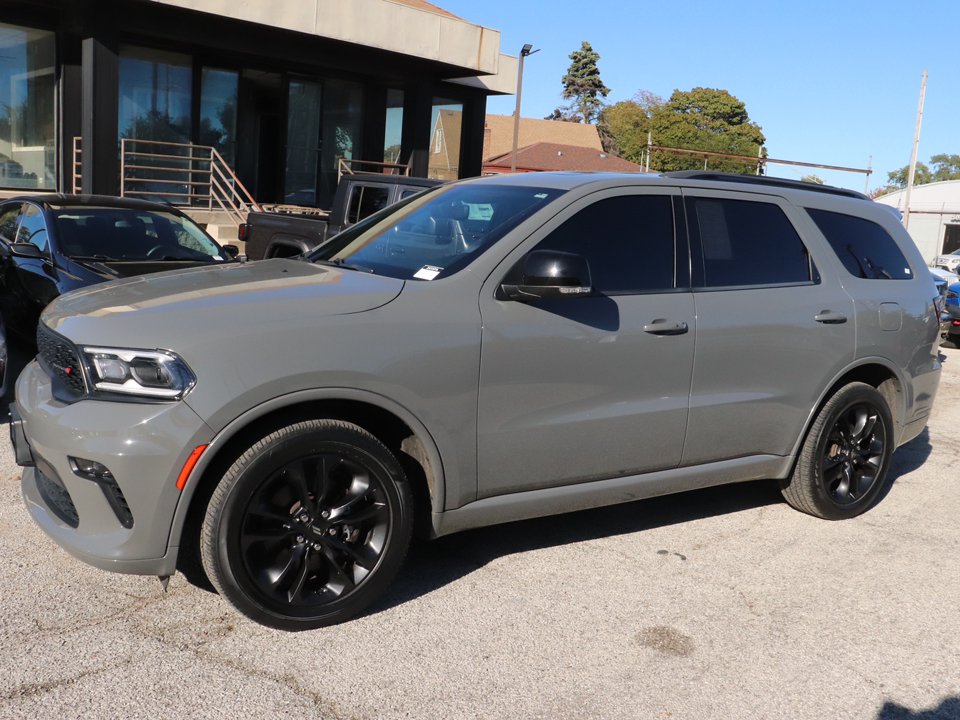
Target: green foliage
x,y
705,119
945,167
699,119
811,179
921,176
623,127
583,87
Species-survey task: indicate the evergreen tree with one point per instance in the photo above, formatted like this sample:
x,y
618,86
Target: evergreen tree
x,y
583,87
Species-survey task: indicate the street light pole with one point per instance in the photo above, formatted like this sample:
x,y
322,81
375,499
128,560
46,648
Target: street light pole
x,y
516,113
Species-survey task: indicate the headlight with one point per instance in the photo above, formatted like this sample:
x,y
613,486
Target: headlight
x,y
144,373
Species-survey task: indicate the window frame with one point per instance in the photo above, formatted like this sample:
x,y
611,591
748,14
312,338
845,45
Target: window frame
x,y
517,256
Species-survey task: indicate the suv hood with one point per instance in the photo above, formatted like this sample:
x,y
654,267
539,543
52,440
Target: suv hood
x,y
151,309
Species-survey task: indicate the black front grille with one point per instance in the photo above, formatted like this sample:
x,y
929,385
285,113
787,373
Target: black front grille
x,y
59,358
57,499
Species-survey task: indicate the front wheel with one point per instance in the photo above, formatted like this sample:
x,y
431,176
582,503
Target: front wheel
x,y
845,457
309,526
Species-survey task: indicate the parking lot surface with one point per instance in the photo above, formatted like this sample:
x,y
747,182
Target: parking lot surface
x,y
722,603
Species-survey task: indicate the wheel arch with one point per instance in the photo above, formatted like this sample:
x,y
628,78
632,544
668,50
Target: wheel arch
x,y
876,372
405,436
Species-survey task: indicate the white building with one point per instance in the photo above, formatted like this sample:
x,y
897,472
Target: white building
x,y
934,221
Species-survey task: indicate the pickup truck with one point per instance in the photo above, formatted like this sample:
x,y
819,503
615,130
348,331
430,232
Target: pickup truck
x,y
289,230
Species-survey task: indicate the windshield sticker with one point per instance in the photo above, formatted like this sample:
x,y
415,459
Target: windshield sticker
x,y
427,272
540,196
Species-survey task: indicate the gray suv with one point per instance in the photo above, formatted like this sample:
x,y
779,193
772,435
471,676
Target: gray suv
x,y
488,351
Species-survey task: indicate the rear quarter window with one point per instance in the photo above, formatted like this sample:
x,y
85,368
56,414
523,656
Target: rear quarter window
x,y
864,248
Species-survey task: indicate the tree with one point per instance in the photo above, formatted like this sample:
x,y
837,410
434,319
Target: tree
x,y
583,87
705,119
945,167
811,179
921,176
623,127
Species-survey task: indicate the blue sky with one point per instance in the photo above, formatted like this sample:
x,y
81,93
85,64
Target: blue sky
x,y
832,83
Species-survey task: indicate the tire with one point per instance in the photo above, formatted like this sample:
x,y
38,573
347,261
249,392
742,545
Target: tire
x,y
844,459
309,526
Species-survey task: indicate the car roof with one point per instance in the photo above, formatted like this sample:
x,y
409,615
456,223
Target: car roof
x,y
688,178
60,200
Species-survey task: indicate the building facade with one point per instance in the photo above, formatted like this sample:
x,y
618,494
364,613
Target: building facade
x,y
934,222
281,89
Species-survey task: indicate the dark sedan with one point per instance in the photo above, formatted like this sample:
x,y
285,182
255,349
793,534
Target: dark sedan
x,y
51,244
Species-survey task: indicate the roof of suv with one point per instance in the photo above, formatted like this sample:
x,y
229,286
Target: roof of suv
x,y
569,180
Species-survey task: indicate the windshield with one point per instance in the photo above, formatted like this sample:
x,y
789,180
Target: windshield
x,y
434,234
99,233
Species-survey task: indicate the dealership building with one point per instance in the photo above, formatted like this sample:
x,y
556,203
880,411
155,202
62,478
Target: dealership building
x,y
281,90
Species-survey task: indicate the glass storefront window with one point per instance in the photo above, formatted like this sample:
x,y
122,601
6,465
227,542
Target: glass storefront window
x,y
218,112
446,121
27,108
303,142
394,132
342,130
155,95
155,104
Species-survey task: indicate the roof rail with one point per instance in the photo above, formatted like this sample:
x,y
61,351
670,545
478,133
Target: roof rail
x,y
764,180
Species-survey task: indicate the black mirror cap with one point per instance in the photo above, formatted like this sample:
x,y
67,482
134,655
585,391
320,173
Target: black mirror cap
x,y
26,250
552,274
231,250
553,268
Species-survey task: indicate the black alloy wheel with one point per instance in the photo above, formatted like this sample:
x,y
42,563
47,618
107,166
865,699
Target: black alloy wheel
x,y
309,526
845,457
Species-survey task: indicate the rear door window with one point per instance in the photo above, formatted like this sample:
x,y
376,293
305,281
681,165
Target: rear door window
x,y
365,200
864,248
745,243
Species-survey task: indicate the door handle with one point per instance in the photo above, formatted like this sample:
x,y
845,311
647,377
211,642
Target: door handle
x,y
666,327
830,317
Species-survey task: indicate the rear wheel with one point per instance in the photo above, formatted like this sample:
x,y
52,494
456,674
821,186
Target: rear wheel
x,y
309,526
845,457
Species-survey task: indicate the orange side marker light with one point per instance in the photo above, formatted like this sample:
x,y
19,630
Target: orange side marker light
x,y
189,465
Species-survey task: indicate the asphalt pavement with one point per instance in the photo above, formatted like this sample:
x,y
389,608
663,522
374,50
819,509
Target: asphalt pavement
x,y
722,603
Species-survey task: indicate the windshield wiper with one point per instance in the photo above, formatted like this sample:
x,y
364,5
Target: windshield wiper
x,y
341,264
95,258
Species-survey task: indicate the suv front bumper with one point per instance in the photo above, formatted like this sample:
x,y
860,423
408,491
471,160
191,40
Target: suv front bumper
x,y
119,520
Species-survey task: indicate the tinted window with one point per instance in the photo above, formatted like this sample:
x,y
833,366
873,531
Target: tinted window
x,y
748,243
32,228
627,240
365,200
8,222
865,249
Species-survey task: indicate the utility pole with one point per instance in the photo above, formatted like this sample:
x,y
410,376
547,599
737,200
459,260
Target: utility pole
x,y
913,157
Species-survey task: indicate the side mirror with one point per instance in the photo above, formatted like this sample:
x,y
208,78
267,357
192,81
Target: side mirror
x,y
551,274
231,250
25,250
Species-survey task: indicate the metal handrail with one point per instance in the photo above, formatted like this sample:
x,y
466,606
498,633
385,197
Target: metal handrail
x,y
211,178
77,176
344,168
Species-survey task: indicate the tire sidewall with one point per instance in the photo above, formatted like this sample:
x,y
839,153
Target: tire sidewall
x,y
841,403
245,479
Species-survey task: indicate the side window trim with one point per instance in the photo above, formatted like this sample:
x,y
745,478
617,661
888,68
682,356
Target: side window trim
x,y
697,260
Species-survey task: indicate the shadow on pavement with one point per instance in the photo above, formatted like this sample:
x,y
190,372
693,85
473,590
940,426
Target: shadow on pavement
x,y
948,709
432,565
